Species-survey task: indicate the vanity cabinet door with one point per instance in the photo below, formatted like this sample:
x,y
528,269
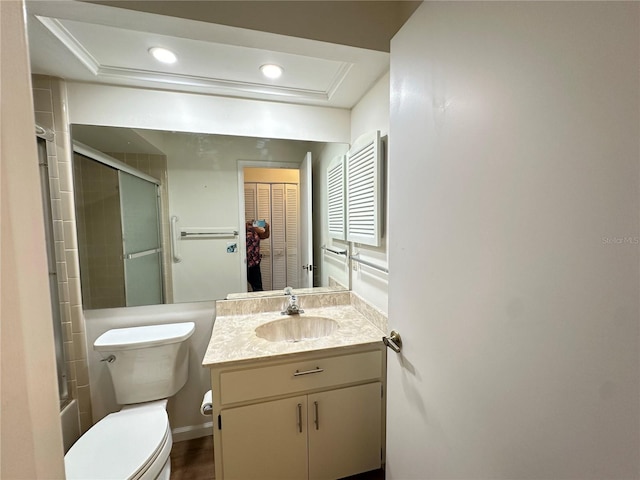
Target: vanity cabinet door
x,y
345,436
265,441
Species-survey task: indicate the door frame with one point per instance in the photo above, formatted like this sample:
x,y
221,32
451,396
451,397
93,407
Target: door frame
x,y
242,235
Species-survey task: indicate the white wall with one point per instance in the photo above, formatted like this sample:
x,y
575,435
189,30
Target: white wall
x,y
514,134
327,264
370,114
31,437
184,407
92,104
372,111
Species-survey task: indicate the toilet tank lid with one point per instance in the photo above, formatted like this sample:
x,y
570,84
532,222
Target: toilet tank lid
x,y
146,336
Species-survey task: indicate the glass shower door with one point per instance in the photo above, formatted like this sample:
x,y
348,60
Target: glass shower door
x,y
141,240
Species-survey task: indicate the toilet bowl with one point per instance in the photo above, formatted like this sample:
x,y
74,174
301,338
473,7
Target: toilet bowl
x,y
147,365
133,443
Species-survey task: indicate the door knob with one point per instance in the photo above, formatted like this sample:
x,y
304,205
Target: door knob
x,y
393,341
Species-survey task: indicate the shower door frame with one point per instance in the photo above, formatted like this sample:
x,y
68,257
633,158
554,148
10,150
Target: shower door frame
x,y
105,159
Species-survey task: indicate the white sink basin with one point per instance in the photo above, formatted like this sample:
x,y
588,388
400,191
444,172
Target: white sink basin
x,y
295,328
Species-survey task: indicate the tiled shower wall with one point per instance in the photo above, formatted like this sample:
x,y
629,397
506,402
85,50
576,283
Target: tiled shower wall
x,y
49,96
99,237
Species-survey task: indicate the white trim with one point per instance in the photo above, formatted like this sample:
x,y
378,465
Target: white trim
x,y
74,46
219,84
190,432
242,233
341,74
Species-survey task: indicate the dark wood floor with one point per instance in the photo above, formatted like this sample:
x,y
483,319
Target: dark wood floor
x,y
193,460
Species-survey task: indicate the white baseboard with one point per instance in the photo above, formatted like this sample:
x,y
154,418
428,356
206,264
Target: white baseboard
x,y
181,434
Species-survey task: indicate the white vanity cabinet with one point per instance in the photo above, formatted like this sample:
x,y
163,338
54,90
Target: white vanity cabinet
x,y
319,416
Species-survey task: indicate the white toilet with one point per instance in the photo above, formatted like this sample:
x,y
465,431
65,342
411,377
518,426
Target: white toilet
x,y
147,365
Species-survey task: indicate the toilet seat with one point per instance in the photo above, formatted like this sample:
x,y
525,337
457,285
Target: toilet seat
x,y
131,444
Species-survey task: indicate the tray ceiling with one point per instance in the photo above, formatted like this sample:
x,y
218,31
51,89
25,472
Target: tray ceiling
x,y
94,43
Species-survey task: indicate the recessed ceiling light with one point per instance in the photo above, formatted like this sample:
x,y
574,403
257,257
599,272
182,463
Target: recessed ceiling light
x,y
271,70
163,55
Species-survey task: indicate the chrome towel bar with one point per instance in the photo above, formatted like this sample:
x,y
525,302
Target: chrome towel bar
x,y
218,234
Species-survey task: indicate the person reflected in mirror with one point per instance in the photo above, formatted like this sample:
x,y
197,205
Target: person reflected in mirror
x,y
255,233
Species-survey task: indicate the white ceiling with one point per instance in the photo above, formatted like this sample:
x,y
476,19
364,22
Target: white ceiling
x,y
95,43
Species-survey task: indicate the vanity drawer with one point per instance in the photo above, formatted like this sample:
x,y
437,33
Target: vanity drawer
x,y
263,382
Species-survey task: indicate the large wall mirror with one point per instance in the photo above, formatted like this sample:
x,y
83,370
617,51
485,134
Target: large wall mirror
x,y
161,215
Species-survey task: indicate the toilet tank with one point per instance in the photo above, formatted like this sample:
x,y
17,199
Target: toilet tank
x,y
146,363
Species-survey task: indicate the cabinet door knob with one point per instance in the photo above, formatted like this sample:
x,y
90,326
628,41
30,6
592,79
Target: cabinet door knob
x,y
317,420
300,417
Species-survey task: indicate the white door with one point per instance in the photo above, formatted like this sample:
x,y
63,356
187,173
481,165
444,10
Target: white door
x,y
517,359
292,231
417,440
306,224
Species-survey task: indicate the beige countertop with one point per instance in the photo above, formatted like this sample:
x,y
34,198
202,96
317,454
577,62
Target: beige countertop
x,y
234,340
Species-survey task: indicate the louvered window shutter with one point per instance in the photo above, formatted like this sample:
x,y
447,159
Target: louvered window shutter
x,y
364,190
336,198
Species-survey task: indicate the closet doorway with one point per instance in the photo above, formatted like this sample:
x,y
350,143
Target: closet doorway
x,y
281,195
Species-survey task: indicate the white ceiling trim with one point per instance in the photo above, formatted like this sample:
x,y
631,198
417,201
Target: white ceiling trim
x,y
69,41
177,79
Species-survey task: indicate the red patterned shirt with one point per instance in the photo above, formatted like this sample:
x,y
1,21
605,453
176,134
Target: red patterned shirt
x,y
253,248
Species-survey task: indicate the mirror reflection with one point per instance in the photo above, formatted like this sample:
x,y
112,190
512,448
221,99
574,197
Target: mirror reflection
x,y
162,216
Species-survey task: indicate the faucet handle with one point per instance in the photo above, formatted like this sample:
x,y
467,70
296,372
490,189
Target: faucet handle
x,y
288,290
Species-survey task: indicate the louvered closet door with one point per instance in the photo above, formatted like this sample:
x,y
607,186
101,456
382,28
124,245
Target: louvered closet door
x,y
250,197
278,236
292,235
264,213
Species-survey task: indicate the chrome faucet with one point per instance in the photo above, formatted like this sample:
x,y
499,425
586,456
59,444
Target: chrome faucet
x,y
293,307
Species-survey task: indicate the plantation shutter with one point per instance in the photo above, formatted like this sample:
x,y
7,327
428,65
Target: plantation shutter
x,y
364,190
336,198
